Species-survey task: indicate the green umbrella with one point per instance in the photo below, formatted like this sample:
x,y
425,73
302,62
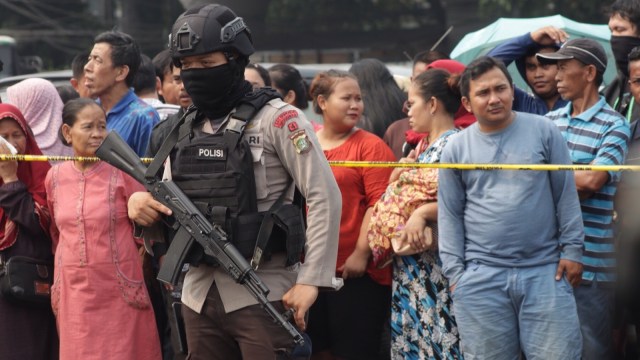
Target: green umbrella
x,y
480,42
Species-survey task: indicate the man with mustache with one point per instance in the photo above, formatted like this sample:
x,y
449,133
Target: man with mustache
x,y
596,135
510,241
539,77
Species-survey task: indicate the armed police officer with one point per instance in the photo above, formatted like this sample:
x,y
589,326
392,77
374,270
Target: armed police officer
x,y
239,155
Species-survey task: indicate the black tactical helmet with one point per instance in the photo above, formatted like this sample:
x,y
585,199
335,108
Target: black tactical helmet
x,y
208,28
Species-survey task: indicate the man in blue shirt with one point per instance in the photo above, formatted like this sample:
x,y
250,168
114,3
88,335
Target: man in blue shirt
x,y
596,135
109,74
510,241
539,77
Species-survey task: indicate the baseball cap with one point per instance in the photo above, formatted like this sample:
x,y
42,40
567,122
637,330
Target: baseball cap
x,y
587,51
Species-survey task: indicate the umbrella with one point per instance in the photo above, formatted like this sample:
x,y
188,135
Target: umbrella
x,y
480,42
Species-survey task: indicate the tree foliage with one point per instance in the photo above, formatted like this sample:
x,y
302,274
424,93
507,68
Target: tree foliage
x,y
352,15
588,11
51,29
57,30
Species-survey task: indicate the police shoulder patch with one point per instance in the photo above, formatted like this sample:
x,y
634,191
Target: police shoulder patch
x,y
300,141
284,117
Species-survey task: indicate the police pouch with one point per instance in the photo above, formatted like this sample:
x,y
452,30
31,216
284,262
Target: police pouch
x,y
259,235
290,219
25,280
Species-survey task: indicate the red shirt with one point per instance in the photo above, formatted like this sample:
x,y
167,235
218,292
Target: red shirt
x,y
361,187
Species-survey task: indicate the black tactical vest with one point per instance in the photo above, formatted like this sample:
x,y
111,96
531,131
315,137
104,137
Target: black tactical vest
x,y
216,172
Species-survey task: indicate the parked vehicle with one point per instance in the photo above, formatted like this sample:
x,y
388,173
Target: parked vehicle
x,y
12,64
8,56
58,78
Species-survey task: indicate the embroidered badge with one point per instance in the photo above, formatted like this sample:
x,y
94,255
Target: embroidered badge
x,y
284,117
211,153
253,139
293,126
301,141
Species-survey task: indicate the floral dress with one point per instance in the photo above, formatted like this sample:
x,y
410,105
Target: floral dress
x,y
413,188
422,323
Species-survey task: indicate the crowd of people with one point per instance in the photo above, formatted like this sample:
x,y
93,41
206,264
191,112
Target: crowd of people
x,y
365,262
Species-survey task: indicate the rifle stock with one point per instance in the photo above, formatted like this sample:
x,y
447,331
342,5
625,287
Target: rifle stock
x,y
118,153
212,238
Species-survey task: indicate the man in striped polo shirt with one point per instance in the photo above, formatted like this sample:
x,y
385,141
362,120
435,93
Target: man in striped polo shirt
x,y
596,135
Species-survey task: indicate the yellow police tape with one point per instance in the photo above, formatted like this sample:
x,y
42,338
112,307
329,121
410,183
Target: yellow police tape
x,y
381,164
5,157
538,167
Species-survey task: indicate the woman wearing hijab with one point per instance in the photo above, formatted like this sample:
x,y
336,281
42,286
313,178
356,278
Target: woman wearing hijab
x,y
26,332
41,105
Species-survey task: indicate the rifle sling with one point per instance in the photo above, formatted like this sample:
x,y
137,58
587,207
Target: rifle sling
x,y
266,227
167,145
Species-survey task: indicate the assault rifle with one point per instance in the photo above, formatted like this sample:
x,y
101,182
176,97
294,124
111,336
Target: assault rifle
x,y
212,237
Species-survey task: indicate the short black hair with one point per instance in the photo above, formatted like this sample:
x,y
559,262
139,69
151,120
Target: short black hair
x,y
163,63
533,50
627,9
429,56
145,80
479,67
634,54
67,93
124,51
78,63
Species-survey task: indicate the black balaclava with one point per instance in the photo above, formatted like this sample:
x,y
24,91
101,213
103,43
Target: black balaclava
x,y
621,47
216,91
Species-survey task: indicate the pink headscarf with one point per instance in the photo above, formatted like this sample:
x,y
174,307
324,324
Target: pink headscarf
x,y
41,105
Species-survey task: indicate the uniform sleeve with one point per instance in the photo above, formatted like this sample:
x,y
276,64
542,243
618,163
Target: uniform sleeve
x,y
565,197
376,179
297,147
613,150
451,205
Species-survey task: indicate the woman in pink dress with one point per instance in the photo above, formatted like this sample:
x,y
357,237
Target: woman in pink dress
x,y
98,296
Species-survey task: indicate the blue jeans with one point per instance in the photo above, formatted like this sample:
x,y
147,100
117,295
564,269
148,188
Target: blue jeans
x,y
503,311
595,309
